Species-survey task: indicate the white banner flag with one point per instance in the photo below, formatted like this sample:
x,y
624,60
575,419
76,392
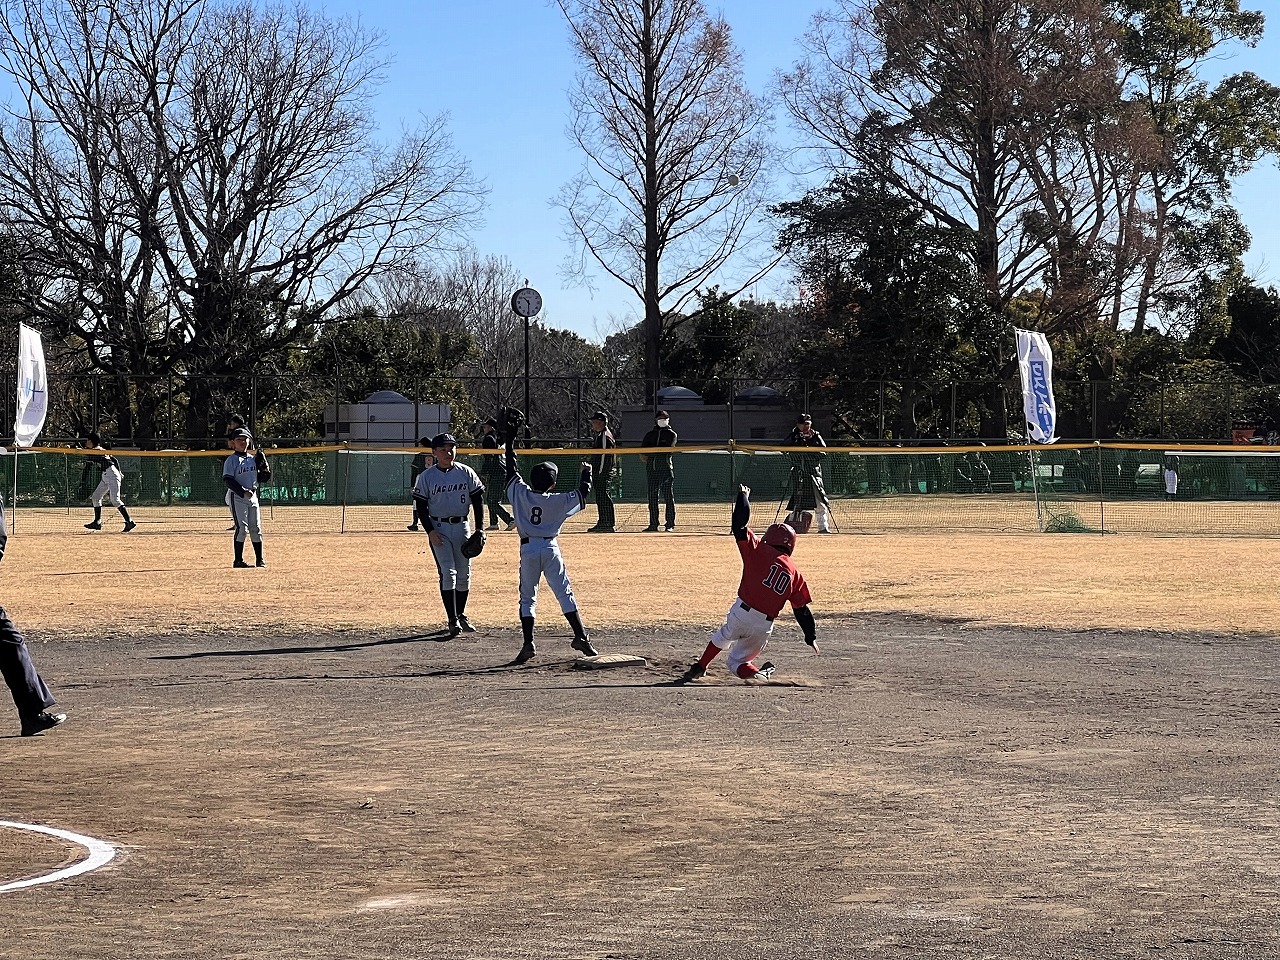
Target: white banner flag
x,y
33,388
1035,364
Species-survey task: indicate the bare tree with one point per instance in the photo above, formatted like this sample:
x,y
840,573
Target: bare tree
x,y
676,151
205,179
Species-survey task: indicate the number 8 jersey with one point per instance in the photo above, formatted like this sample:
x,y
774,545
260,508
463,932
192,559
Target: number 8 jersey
x,y
769,578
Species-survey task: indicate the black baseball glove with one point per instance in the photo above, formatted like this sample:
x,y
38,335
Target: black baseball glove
x,y
510,423
473,545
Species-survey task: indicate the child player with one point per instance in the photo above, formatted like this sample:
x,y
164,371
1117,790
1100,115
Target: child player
x,y
769,581
539,515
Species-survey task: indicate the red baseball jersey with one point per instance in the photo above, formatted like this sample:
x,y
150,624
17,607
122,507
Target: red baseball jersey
x,y
769,578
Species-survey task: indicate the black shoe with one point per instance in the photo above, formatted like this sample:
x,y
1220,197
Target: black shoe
x,y
129,525
695,672
650,530
41,722
412,526
93,525
583,645
241,565
261,563
601,530
455,629
465,624
765,672
669,530
527,653
492,526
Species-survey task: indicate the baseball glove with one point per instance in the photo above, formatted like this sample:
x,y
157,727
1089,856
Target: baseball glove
x,y
510,423
473,545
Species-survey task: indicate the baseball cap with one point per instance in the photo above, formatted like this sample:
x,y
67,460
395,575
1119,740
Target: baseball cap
x,y
491,422
662,415
804,418
241,432
601,416
444,440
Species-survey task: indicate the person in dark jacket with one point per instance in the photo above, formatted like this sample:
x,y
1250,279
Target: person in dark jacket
x,y
494,474
602,467
421,460
660,472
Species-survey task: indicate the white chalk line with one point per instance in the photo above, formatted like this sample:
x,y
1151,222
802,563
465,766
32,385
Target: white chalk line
x,y
100,853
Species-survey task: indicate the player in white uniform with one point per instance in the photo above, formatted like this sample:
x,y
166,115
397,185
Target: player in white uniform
x,y
108,488
240,473
442,495
539,515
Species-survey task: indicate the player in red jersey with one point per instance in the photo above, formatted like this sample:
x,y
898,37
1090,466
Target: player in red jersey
x,y
770,581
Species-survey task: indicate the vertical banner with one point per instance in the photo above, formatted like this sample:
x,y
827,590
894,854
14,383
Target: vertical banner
x,y
33,388
1035,364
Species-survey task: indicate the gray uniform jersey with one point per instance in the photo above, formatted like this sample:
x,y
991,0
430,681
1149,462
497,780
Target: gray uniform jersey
x,y
448,494
539,517
245,510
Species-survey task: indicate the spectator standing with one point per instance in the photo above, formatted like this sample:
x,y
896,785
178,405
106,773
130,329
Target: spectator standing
x,y
495,476
660,472
602,467
1171,477
807,492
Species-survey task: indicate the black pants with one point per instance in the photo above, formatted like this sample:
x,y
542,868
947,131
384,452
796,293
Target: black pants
x,y
664,488
30,694
604,503
493,499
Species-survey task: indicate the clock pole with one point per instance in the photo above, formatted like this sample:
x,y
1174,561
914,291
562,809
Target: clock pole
x,y
526,302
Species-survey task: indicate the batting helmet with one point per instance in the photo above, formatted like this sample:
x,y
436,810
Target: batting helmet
x,y
543,476
781,536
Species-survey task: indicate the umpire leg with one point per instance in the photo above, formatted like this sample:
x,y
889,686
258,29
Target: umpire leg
x,y
30,695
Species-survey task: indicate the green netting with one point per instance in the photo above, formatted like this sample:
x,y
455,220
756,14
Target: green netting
x,y
1086,488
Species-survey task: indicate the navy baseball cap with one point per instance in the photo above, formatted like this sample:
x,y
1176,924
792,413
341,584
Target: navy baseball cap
x,y
601,416
237,434
444,440
491,422
804,418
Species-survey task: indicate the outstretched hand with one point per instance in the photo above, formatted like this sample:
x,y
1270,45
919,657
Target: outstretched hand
x,y
813,642
743,488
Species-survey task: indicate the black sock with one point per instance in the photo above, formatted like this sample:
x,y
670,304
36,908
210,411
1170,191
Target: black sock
x,y
450,605
575,621
257,550
460,600
239,551
526,627
124,512
97,514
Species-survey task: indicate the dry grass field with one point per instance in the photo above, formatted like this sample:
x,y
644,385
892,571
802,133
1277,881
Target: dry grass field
x,y
1014,746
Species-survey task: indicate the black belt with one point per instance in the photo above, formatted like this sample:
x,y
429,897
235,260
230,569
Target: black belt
x,y
750,610
524,540
449,519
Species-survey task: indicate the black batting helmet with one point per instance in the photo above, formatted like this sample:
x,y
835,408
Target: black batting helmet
x,y
543,476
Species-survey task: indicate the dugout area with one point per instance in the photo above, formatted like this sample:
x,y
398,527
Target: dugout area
x,y
1000,752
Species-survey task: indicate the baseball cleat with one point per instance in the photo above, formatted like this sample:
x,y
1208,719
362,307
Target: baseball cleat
x,y
668,529
455,629
492,526
511,524
527,653
93,525
649,530
765,672
40,722
412,526
129,526
240,565
465,624
261,563
695,672
583,645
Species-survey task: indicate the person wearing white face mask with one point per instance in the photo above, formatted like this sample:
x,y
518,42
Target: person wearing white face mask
x,y
660,471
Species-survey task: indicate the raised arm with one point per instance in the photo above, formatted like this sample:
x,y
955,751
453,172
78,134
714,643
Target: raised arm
x,y
741,512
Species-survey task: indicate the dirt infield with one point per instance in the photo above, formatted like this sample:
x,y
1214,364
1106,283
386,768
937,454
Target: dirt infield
x,y
990,758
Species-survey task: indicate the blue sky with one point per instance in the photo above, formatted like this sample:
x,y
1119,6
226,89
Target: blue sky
x,y
501,68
